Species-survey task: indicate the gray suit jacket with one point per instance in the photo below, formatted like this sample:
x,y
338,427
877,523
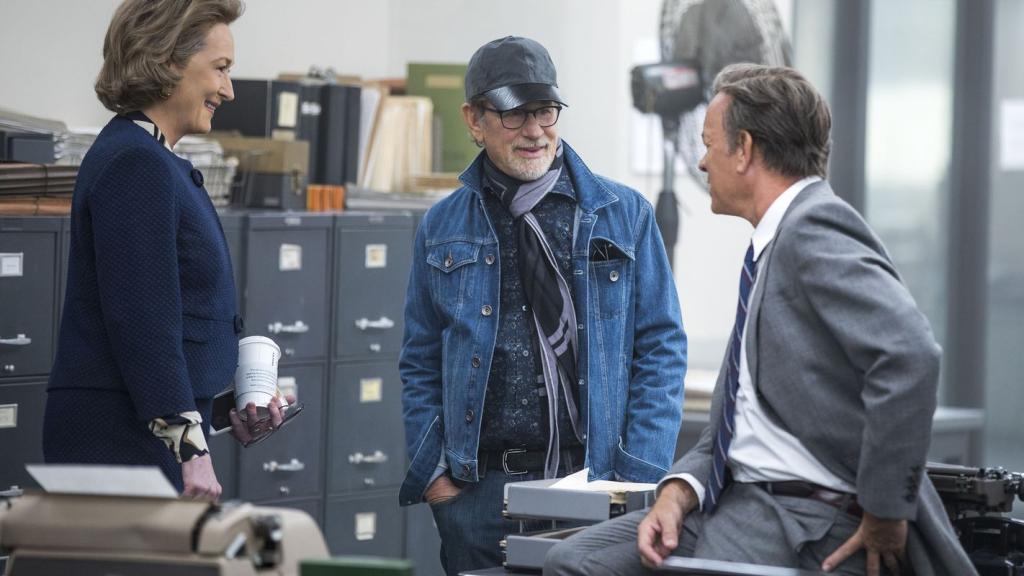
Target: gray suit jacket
x,y
841,357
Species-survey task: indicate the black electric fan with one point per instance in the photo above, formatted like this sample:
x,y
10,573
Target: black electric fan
x,y
698,38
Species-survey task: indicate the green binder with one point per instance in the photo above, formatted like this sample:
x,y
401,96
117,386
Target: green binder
x,y
356,566
444,85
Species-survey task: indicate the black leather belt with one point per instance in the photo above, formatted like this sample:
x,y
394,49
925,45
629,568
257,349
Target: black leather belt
x,y
516,461
795,488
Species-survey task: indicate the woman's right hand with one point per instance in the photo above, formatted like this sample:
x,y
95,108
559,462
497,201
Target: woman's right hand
x,y
200,479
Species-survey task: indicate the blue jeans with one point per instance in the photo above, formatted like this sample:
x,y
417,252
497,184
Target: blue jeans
x,y
471,525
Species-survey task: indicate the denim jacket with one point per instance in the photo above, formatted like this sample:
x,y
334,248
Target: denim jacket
x,y
632,348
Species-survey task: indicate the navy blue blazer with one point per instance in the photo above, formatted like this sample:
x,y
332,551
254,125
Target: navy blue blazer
x,y
149,326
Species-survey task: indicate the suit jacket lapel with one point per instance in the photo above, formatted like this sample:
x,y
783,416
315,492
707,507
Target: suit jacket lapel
x,y
763,271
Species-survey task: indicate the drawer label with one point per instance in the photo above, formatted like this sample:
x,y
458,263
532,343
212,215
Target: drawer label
x,y
290,257
370,390
8,415
366,526
12,264
287,109
287,385
376,255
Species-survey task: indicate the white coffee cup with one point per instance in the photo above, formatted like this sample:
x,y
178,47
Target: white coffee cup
x,y
256,375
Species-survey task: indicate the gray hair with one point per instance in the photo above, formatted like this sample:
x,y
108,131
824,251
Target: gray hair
x,y
784,114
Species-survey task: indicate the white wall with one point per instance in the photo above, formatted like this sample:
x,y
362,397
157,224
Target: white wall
x,y
56,47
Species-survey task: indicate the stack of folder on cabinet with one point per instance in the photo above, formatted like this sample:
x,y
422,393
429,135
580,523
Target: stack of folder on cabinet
x,y
33,189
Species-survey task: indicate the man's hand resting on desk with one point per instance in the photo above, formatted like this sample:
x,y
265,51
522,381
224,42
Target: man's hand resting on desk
x,y
658,533
441,490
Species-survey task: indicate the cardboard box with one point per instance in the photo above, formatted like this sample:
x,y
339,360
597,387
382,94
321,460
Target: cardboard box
x,y
266,155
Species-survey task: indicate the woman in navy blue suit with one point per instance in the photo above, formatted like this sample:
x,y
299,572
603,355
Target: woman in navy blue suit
x,y
149,332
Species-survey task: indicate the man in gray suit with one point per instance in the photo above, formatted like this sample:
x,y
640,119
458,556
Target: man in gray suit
x,y
821,416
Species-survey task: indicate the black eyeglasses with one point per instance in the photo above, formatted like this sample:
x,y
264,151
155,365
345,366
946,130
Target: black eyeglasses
x,y
514,119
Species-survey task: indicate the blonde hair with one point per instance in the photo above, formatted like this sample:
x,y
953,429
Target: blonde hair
x,y
147,39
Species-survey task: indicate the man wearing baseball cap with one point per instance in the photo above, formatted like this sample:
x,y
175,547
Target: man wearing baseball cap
x,y
542,328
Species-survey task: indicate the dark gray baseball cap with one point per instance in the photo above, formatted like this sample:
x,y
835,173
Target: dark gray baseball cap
x,y
510,72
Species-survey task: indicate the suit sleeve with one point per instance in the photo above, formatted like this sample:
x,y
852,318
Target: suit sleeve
x,y
658,367
854,289
134,217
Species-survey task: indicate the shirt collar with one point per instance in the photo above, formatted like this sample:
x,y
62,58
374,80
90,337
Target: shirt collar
x,y
143,121
764,233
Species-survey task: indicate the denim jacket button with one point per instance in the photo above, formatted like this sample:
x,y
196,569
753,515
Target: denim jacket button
x,y
489,259
469,415
476,361
448,261
486,310
614,276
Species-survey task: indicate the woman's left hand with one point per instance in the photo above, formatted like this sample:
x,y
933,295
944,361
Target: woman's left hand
x,y
253,428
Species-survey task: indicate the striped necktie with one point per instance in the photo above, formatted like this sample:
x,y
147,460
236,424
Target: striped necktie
x,y
727,421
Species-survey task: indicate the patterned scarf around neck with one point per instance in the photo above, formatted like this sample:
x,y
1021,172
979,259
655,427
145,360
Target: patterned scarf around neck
x,y
547,293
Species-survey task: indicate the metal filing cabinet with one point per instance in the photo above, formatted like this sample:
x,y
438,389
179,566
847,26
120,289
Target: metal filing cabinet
x,y
374,255
224,448
29,249
365,441
312,506
288,464
286,288
21,430
62,266
365,524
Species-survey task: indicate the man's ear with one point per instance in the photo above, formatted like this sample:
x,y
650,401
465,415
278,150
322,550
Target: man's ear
x,y
473,123
744,152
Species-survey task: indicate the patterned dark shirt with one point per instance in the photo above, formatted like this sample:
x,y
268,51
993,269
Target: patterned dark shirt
x,y
515,407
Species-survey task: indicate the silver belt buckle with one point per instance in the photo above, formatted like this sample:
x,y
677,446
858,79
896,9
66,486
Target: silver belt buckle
x,y
504,461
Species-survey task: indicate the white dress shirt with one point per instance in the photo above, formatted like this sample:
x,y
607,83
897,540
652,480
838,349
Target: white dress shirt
x,y
761,451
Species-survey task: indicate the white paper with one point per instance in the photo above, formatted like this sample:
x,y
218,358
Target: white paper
x,y
578,481
290,257
12,264
366,526
8,415
1011,135
146,481
371,390
376,255
287,109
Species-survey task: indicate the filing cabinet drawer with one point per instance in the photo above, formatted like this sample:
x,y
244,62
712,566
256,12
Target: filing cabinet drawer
x,y
21,431
312,506
234,226
366,444
373,256
288,464
65,254
29,249
286,288
224,452
367,524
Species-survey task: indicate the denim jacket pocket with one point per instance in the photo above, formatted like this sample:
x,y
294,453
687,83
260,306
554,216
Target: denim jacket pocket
x,y
453,274
611,277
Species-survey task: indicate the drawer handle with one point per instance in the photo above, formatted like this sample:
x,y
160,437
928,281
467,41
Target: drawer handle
x,y
294,466
381,324
299,327
21,340
377,457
